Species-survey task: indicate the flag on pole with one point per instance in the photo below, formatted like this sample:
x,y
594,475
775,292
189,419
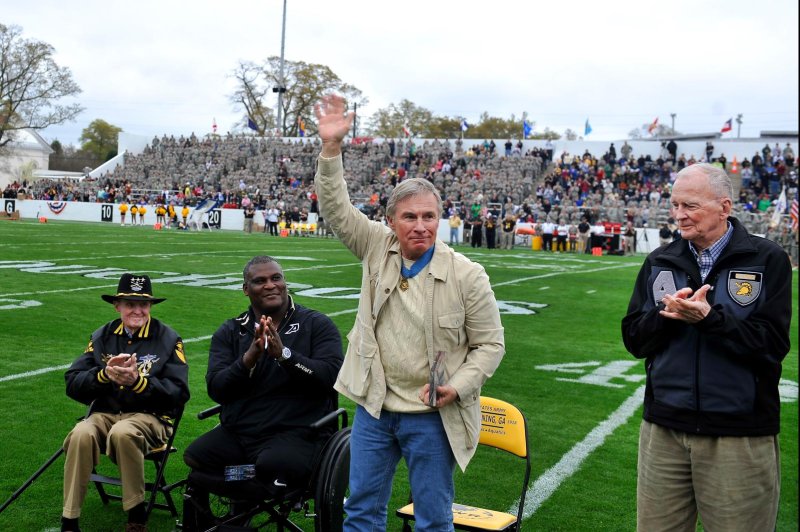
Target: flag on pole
x,y
727,126
252,125
793,214
301,127
406,129
780,208
587,128
214,125
527,129
464,125
652,127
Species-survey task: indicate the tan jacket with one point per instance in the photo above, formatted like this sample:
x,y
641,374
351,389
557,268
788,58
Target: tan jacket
x,y
461,314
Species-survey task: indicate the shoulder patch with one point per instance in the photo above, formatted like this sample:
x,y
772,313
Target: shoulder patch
x,y
744,287
179,352
664,284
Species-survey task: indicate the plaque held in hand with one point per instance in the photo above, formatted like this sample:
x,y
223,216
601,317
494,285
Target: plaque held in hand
x,y
437,378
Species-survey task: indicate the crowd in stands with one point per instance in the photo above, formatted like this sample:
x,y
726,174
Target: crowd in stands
x,y
476,180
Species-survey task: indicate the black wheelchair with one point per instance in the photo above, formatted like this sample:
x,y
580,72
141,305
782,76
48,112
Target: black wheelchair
x,y
246,505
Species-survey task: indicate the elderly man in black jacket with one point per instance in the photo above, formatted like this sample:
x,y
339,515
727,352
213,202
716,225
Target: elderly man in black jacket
x,y
134,374
710,313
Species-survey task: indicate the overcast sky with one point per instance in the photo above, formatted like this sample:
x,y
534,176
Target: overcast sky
x,y
155,67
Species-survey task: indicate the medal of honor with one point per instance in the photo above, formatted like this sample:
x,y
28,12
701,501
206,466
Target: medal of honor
x,y
408,273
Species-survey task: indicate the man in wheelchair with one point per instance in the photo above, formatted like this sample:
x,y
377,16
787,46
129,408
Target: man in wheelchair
x,y
272,371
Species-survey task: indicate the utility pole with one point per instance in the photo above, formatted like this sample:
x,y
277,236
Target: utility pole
x,y
524,118
672,116
281,88
355,119
738,125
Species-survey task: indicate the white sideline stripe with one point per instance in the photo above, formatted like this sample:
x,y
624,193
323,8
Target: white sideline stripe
x,y
571,272
548,483
38,292
33,373
341,312
65,366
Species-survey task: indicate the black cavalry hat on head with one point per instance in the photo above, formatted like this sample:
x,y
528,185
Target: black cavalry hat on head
x,y
134,288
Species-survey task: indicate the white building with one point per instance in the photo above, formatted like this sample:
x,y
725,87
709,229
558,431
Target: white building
x,y
26,153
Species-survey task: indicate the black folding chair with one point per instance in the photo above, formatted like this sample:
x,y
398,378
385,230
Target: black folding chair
x,y
159,485
159,458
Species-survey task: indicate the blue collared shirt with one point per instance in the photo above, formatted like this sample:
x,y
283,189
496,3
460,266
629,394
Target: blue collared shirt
x,y
706,258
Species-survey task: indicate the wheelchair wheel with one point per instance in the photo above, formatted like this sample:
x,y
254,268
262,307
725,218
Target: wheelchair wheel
x,y
221,509
332,483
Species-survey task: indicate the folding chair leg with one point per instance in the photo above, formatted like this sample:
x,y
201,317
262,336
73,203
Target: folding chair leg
x,y
101,491
33,477
160,486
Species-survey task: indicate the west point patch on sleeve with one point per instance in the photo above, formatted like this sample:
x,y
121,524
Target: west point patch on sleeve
x,y
663,285
744,287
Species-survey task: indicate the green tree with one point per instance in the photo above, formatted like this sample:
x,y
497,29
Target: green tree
x,y
305,84
544,135
492,127
444,127
389,121
100,140
57,147
31,85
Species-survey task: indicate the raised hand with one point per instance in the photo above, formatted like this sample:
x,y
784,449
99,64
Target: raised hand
x,y
332,123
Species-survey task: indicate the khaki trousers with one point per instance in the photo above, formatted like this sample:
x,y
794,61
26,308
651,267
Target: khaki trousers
x,y
583,241
732,482
125,438
507,240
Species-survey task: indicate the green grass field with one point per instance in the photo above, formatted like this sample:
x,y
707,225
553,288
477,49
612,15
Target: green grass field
x,y
565,365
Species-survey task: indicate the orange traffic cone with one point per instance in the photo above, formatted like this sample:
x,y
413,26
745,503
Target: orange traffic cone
x,y
735,166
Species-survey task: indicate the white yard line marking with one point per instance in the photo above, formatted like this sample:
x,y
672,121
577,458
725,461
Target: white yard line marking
x,y
591,291
548,483
341,312
65,366
33,373
59,291
571,272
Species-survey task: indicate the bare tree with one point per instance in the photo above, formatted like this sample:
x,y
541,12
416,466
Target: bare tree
x,y
305,83
251,94
31,84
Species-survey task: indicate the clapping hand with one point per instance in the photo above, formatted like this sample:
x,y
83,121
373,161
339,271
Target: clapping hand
x,y
685,306
258,345
121,369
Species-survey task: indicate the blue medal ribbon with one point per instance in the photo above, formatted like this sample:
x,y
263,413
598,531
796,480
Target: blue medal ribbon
x,y
417,267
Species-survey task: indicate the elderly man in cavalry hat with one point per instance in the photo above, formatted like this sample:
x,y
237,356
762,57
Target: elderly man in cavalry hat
x,y
134,375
